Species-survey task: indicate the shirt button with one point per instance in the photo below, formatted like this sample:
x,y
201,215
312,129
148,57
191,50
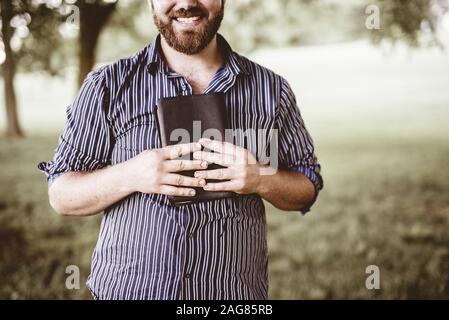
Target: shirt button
x,y
187,276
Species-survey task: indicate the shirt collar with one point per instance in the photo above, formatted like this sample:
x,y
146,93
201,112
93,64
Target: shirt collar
x,y
233,62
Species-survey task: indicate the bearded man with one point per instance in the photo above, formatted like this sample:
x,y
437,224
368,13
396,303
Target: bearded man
x,y
110,159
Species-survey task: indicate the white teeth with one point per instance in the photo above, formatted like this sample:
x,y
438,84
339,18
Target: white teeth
x,y
188,20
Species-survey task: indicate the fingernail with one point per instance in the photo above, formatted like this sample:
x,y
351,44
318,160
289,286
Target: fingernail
x,y
206,187
192,192
197,154
204,164
202,182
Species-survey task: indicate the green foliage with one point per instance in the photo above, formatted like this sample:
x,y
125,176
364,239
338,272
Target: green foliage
x,y
248,24
44,46
413,21
45,49
251,24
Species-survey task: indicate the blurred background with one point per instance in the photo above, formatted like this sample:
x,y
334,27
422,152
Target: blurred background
x,y
372,81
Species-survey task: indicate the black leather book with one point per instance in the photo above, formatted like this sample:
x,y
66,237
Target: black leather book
x,y
186,119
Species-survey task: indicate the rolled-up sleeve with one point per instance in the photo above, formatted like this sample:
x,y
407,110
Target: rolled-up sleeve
x,y
296,147
87,140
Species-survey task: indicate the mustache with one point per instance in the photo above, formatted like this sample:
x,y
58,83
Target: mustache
x,y
188,13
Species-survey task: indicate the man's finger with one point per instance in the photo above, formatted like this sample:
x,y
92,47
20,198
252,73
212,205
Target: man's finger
x,y
182,181
219,146
218,174
217,158
174,191
179,150
221,186
184,165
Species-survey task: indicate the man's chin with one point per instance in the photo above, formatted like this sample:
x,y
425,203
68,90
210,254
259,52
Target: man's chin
x,y
187,48
188,41
187,32
186,35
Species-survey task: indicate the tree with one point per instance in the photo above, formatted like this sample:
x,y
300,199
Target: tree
x,y
8,68
410,21
17,19
44,44
93,18
252,24
248,25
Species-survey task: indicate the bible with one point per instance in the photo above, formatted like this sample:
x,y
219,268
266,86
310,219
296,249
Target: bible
x,y
186,119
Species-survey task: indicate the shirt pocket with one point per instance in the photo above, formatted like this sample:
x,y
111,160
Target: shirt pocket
x,y
139,134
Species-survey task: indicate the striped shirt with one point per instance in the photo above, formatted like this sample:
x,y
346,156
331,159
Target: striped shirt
x,y
148,249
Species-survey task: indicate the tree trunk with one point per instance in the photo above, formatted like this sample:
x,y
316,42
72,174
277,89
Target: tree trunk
x,y
93,18
12,122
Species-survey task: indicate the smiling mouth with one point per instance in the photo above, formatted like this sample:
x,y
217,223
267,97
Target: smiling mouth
x,y
188,20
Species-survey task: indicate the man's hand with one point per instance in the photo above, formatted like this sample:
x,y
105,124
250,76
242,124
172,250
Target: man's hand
x,y
286,190
157,171
241,168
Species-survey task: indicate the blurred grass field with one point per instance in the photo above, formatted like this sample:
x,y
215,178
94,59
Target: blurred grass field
x,y
380,124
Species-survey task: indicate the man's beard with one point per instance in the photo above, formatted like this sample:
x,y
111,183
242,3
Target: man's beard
x,y
189,42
